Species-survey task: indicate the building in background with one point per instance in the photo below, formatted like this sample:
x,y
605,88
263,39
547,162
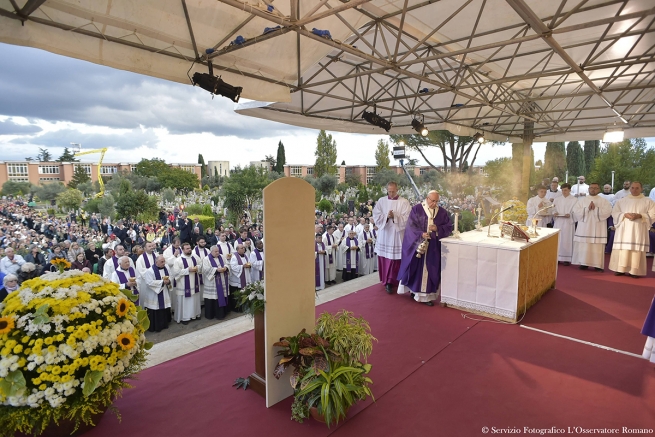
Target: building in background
x,y
221,168
262,164
37,172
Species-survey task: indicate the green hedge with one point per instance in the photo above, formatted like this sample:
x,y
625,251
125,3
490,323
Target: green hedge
x,y
207,221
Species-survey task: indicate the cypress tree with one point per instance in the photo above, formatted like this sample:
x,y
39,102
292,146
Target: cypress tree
x,y
575,159
555,160
281,158
591,150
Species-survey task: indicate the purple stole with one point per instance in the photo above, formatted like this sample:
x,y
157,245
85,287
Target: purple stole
x,y
369,249
187,281
242,276
202,282
123,280
329,240
160,295
115,260
348,252
229,249
146,261
317,263
220,293
259,258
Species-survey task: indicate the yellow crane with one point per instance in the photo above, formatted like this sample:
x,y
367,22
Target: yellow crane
x,y
102,155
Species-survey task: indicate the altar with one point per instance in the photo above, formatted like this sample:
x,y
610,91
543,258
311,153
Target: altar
x,y
497,277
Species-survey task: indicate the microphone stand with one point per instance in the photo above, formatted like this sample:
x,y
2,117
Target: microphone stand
x,y
492,220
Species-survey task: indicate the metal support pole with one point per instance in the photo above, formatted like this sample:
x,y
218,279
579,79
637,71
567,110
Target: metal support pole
x,y
528,127
411,181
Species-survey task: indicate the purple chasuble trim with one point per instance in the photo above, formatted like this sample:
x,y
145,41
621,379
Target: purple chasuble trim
x,y
329,240
220,292
259,258
242,276
160,295
369,247
187,281
123,280
146,261
115,260
348,252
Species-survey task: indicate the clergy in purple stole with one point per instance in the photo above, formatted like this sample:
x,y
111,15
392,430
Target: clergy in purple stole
x,y
216,291
649,331
610,234
422,275
651,240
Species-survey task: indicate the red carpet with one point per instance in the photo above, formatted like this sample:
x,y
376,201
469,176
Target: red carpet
x,y
433,371
596,307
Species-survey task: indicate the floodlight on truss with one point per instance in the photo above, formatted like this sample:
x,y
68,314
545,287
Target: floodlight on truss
x,y
215,85
376,120
478,137
419,126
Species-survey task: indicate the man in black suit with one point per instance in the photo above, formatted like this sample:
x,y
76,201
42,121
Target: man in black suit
x,y
184,226
121,232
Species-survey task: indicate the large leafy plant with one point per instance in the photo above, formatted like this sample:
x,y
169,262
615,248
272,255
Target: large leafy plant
x,y
348,335
302,351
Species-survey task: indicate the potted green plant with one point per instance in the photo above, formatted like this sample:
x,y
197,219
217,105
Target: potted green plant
x,y
348,335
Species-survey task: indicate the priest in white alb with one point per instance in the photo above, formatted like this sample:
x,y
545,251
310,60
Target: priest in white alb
x,y
537,207
564,221
320,267
172,253
216,277
591,212
390,215
633,216
339,235
187,293
257,262
367,254
125,276
331,245
144,262
239,274
155,293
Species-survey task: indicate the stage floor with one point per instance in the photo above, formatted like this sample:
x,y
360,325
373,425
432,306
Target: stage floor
x,y
434,371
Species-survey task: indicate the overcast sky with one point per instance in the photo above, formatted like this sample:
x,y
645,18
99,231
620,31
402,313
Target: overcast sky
x,y
50,101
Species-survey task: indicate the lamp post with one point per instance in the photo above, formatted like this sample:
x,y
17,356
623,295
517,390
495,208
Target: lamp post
x,y
612,180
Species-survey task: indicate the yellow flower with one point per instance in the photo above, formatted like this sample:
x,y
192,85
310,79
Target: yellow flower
x,y
25,339
60,337
18,349
11,343
36,381
52,349
42,387
122,307
5,351
106,349
56,370
70,329
126,341
48,341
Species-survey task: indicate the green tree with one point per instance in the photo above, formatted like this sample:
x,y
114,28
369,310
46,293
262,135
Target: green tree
x,y
326,184
49,191
384,176
281,158
153,185
85,187
517,167
79,177
382,155
44,155
500,177
201,161
432,178
106,207
179,179
168,195
631,160
352,180
326,155
325,206
67,156
151,167
215,171
12,188
70,199
555,160
136,202
243,188
575,159
271,161
591,150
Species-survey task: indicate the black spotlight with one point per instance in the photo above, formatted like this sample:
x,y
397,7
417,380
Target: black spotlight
x,y
216,86
478,137
420,127
376,120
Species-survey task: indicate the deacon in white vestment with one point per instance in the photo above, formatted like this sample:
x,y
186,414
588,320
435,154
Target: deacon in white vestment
x,y
624,192
580,189
125,276
590,238
607,194
633,216
187,292
112,264
564,221
225,249
257,262
339,236
320,267
144,262
239,274
537,204
216,272
172,253
390,214
331,245
367,253
155,293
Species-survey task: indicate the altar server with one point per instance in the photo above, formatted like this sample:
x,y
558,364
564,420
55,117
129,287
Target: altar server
x,y
367,254
390,214
331,246
350,248
187,293
633,216
239,273
590,239
537,204
125,276
564,221
155,293
320,267
257,262
427,224
216,277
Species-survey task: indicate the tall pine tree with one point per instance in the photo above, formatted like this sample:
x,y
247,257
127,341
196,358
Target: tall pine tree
x,y
79,177
575,159
203,170
382,155
67,156
591,150
326,155
555,160
281,158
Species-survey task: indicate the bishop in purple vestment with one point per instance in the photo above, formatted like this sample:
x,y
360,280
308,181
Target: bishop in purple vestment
x,y
426,222
649,331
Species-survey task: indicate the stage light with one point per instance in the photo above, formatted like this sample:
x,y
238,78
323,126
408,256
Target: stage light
x,y
615,136
376,120
478,137
216,86
420,127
